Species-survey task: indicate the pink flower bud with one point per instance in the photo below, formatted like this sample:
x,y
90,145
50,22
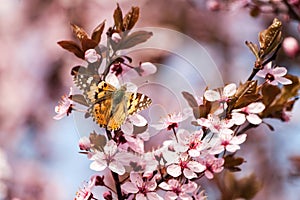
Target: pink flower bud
x,y
84,143
290,46
213,5
116,37
91,56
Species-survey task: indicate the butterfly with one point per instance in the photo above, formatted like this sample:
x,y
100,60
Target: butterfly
x,y
109,105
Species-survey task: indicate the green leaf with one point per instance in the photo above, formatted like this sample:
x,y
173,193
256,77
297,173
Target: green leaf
x,y
97,141
72,47
133,39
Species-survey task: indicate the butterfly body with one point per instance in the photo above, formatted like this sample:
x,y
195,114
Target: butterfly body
x,y
110,106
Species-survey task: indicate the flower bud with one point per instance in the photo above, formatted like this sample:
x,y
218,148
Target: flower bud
x,y
290,46
91,56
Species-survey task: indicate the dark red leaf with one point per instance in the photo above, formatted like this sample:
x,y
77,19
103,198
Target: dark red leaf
x,y
79,32
131,18
72,47
118,18
96,35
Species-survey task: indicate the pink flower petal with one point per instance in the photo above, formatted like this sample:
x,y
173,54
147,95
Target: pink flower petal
x,y
148,68
189,174
238,118
279,71
211,95
196,166
254,119
117,167
229,90
283,80
129,187
138,120
232,147
98,165
174,170
165,186
256,107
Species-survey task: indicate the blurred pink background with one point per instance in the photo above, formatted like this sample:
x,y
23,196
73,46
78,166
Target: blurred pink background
x,y
39,156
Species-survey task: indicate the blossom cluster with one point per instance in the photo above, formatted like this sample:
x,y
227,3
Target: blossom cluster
x,y
207,147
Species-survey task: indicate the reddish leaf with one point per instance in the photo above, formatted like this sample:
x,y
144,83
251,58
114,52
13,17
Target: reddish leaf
x,y
72,47
269,93
118,18
96,35
87,43
79,32
97,141
232,162
246,100
131,18
192,103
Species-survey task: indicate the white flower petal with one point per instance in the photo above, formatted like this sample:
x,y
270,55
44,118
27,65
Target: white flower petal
x,y
138,120
256,107
148,68
254,119
154,196
196,166
140,196
131,87
129,187
189,174
165,186
98,166
174,170
113,80
283,80
238,118
232,147
229,90
117,167
279,71
211,95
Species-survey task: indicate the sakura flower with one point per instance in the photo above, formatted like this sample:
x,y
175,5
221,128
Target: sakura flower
x,y
84,143
216,125
213,165
116,37
274,75
85,193
133,120
91,56
110,157
249,112
177,190
143,188
186,166
145,69
229,142
192,141
228,91
172,120
64,107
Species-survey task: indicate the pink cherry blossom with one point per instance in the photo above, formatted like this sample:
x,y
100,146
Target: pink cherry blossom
x,y
116,37
172,120
191,141
65,106
91,56
212,164
229,142
228,91
110,157
274,75
143,187
249,112
175,189
85,193
146,68
84,143
186,166
216,125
